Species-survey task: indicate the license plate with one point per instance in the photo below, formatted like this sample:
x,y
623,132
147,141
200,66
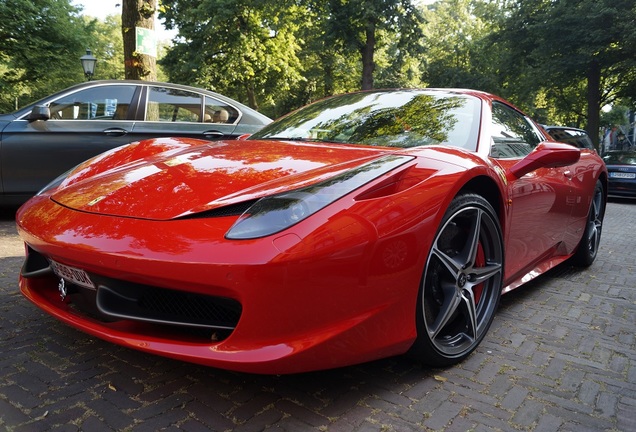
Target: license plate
x,y
72,275
623,175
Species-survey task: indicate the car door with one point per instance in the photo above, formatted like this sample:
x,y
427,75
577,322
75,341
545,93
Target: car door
x,y
540,202
81,125
172,111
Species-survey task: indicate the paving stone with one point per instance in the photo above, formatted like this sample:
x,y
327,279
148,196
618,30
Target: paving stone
x,y
297,411
549,423
209,415
261,421
588,392
528,414
10,414
515,398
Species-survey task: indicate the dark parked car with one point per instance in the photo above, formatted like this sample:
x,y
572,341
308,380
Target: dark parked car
x,y
569,135
621,165
45,139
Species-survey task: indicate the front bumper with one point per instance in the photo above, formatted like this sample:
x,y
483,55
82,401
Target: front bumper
x,y
295,305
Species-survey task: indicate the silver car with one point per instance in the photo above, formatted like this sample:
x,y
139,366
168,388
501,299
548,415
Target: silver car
x,y
45,139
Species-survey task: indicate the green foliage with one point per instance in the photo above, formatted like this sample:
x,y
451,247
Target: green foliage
x,y
289,52
579,53
107,47
42,41
543,55
616,116
241,48
459,53
364,26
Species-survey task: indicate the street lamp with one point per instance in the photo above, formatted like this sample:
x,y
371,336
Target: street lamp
x,y
88,64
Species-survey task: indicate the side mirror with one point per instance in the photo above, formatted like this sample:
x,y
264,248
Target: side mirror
x,y
547,154
40,112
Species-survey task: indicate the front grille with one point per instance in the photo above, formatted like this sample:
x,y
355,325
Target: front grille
x,y
125,300
117,299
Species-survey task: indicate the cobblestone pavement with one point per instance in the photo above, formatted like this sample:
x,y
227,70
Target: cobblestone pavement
x,y
560,356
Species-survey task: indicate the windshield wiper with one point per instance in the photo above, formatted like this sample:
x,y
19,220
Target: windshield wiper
x,y
307,139
283,138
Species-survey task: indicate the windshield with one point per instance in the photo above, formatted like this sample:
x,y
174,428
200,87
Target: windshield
x,y
402,118
620,158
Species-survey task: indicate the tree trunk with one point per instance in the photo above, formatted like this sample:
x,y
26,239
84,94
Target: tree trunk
x,y
138,13
328,73
368,65
594,101
251,96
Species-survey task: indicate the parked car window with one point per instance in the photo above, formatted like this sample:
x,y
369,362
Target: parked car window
x,y
513,135
97,103
219,112
173,105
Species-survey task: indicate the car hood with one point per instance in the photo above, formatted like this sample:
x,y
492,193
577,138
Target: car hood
x,y
190,179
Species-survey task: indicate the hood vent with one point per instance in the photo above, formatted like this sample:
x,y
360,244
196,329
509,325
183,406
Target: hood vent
x,y
229,210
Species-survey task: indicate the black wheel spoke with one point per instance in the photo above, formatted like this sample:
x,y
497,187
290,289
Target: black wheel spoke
x,y
596,221
483,274
453,267
472,245
446,312
468,297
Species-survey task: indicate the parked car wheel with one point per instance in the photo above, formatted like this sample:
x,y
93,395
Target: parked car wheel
x,y
588,247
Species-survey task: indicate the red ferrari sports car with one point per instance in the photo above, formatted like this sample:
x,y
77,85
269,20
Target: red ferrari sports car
x,y
362,226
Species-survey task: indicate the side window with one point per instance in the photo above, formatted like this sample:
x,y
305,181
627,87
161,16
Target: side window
x,y
173,105
513,135
96,103
219,112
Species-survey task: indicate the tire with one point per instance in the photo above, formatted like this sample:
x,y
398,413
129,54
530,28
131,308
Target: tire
x,y
461,284
587,248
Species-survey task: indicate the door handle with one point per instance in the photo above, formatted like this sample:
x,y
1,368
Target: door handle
x,y
115,132
568,174
213,134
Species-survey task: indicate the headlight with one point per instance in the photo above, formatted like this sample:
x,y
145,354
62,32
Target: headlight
x,y
275,213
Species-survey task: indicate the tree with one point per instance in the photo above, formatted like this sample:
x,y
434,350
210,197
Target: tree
x,y
327,66
244,48
108,47
568,45
459,53
42,41
359,25
138,14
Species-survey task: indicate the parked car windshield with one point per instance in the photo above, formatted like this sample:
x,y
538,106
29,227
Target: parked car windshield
x,y
620,158
402,119
576,137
